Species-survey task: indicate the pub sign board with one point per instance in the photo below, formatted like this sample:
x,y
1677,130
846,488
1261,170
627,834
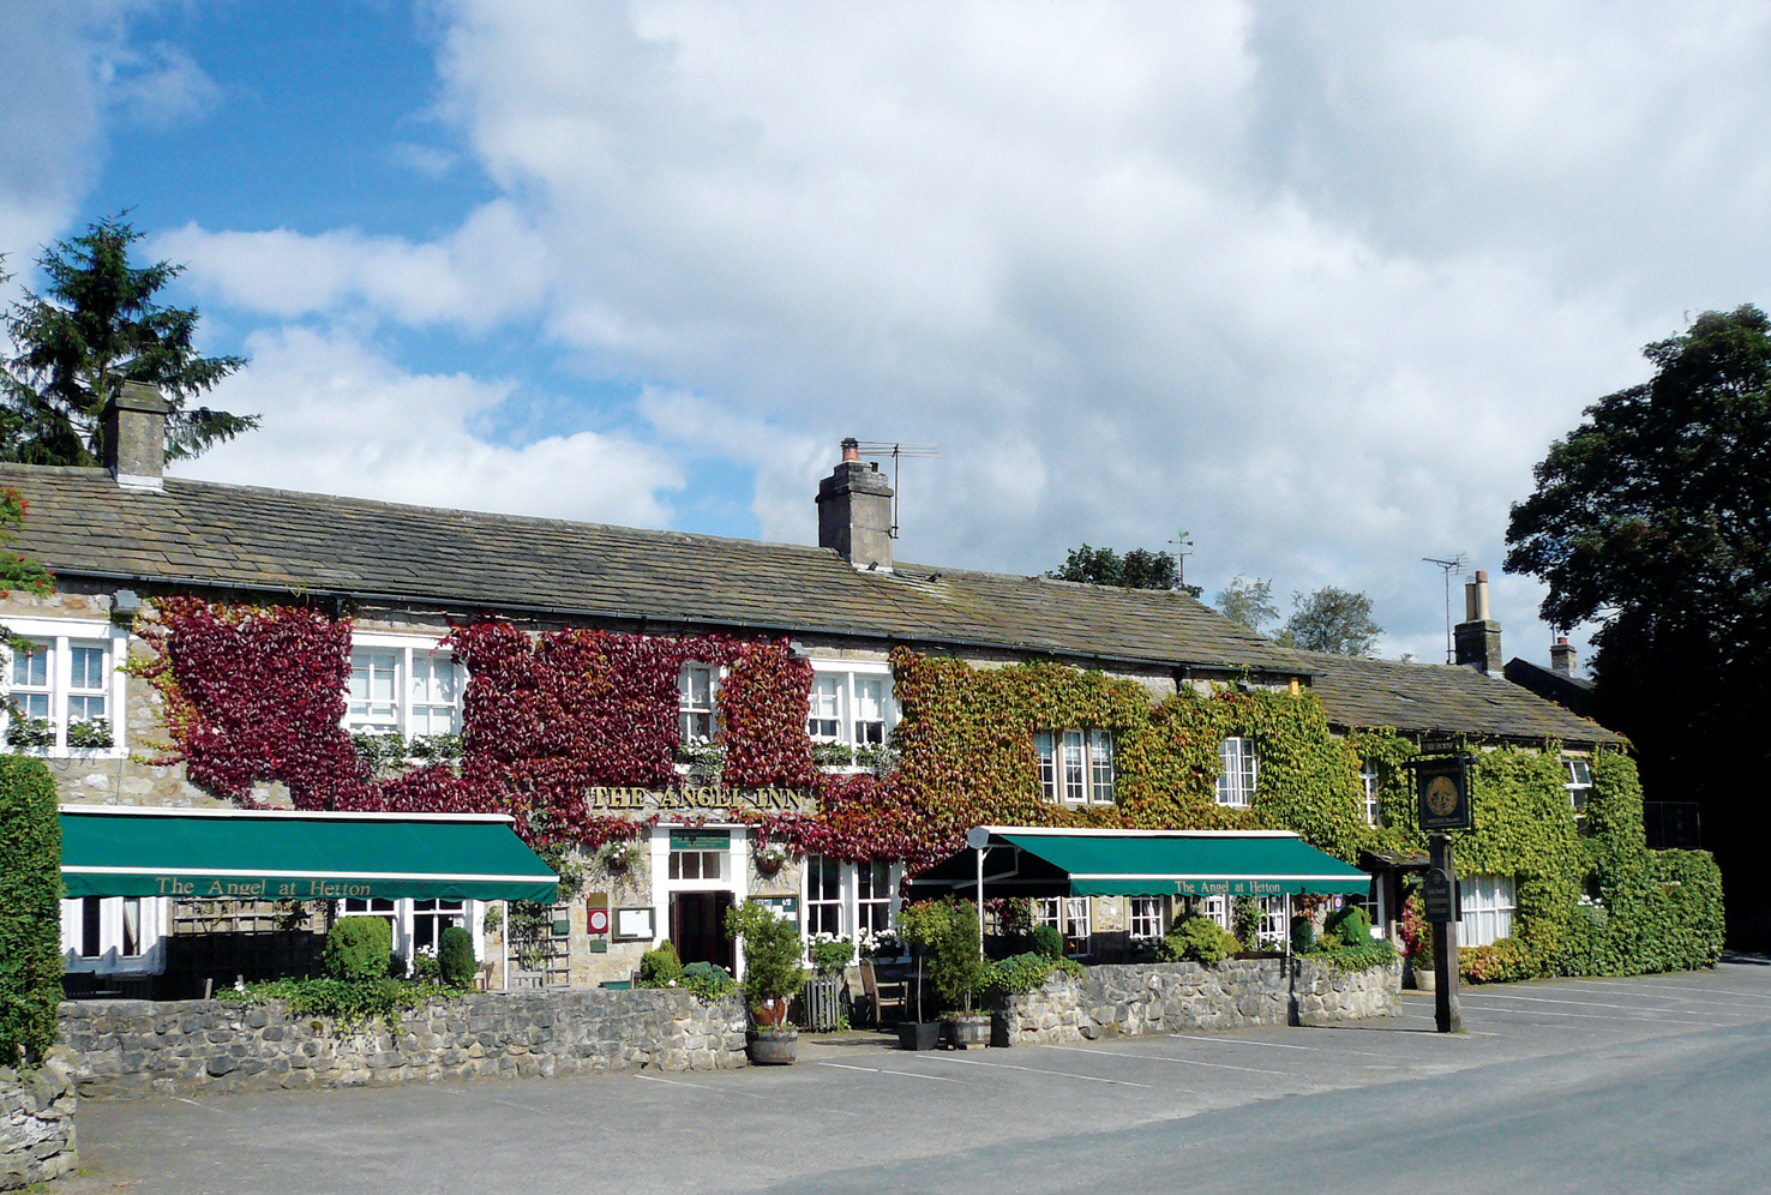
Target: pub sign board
x,y
1438,898
1442,787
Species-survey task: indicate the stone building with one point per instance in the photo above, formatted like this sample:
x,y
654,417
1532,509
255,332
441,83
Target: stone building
x,y
125,539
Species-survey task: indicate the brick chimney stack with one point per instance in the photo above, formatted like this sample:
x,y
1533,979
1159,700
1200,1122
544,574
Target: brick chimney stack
x,y
134,426
855,512
1477,638
1562,658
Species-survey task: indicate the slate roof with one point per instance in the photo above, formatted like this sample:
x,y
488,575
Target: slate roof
x,y
205,534
1442,697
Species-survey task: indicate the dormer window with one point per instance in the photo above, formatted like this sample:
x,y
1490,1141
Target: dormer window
x,y
1075,766
1241,772
695,690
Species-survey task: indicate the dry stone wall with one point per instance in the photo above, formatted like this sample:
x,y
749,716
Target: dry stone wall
x,y
1138,998
122,1049
37,1122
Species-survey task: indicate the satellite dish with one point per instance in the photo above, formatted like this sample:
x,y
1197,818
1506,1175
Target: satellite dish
x,y
978,837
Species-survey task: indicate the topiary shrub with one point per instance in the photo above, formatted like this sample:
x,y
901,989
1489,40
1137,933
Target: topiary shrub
x,y
1048,941
455,961
1303,936
30,909
1198,940
1352,925
661,967
358,948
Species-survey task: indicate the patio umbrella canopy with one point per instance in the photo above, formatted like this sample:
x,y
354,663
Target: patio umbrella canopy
x,y
234,854
1035,861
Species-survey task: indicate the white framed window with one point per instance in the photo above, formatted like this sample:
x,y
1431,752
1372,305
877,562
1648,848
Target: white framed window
x,y
1488,904
824,721
1579,783
824,902
856,901
109,935
1069,915
696,865
416,925
851,704
1368,785
1241,772
1273,929
64,689
404,685
1075,766
695,688
1215,907
1145,921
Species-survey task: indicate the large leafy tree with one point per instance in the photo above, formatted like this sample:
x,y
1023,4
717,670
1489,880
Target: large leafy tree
x,y
1653,519
1137,569
1332,620
96,326
1248,602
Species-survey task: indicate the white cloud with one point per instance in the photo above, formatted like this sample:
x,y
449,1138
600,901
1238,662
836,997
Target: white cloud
x,y
341,419
1317,286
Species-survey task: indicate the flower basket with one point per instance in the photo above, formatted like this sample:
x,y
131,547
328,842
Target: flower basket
x,y
769,862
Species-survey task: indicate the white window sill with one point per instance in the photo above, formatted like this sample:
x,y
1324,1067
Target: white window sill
x,y
77,754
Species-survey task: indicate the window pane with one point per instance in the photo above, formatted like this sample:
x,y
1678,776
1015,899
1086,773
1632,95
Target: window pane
x,y
89,925
1048,775
88,665
31,667
86,709
825,718
1100,757
132,926
372,691
1073,789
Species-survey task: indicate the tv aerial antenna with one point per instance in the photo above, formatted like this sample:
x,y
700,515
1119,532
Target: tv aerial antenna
x,y
898,452
1452,567
1183,539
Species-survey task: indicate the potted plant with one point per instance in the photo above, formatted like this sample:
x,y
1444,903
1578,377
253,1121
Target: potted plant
x,y
769,860
619,858
822,996
919,925
772,974
958,970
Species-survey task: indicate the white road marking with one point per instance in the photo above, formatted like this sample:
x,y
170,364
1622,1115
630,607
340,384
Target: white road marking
x,y
1216,1066
880,1070
752,1095
1034,1070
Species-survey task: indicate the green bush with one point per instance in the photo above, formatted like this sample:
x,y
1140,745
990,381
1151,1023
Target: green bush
x,y
1198,940
1352,925
350,1002
771,957
358,948
1376,952
1048,941
1303,936
455,958
955,967
710,981
30,909
661,967
1024,973
831,955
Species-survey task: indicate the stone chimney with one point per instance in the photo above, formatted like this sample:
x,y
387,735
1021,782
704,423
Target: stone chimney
x,y
855,512
135,436
1477,638
1562,659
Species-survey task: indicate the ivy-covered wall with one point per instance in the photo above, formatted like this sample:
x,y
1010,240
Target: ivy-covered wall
x,y
258,694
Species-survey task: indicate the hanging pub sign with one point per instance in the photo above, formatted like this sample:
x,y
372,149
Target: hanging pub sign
x,y
1442,785
1438,897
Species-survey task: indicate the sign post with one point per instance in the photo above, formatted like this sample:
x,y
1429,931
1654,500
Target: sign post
x,y
1442,786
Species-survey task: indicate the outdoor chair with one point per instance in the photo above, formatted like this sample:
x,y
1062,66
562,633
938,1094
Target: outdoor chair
x,y
881,995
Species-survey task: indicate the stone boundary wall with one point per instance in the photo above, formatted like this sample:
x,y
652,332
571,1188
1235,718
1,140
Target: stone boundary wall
x,y
37,1122
1138,998
121,1049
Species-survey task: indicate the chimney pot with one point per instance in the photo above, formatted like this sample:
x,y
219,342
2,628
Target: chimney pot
x,y
134,428
851,449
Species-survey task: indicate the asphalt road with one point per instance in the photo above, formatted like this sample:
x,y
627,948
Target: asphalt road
x,y
1652,1084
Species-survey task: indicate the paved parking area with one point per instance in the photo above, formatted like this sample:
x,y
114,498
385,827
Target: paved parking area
x,y
1688,1055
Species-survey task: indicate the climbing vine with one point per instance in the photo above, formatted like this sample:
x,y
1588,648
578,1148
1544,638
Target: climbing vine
x,y
254,694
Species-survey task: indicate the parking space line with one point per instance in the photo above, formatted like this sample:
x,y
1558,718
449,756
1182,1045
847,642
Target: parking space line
x,y
1651,1012
1216,1066
749,1095
1647,990
1277,1045
880,1070
1594,1016
1034,1070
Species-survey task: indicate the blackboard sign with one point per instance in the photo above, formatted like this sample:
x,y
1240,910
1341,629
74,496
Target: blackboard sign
x,y
1442,786
1438,898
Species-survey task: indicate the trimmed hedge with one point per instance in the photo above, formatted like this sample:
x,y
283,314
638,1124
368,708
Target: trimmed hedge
x,y
30,909
358,948
455,961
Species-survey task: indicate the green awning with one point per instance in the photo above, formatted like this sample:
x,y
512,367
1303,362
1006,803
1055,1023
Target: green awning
x,y
272,855
1029,861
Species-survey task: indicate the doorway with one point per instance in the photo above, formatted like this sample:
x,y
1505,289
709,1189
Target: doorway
x,y
698,927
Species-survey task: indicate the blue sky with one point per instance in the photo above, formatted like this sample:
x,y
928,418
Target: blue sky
x,y
1318,287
